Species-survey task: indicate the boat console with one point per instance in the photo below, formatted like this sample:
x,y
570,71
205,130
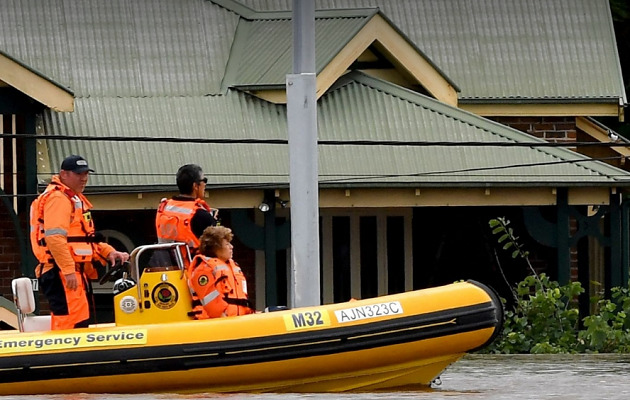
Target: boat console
x,y
153,287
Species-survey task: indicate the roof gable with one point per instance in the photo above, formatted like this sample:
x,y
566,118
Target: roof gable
x,y
34,84
345,40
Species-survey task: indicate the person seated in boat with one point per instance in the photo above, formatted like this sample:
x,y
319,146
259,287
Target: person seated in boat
x,y
216,277
184,217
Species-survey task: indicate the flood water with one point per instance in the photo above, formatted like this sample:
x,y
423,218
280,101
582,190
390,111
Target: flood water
x,y
488,377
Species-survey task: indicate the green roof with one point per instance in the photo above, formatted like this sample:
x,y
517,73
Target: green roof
x,y
507,50
154,69
357,112
122,48
262,53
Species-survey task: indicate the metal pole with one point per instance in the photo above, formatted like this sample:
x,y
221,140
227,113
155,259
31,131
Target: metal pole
x,y
304,36
302,123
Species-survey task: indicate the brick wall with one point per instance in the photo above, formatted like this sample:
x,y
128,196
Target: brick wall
x,y
9,252
555,130
552,129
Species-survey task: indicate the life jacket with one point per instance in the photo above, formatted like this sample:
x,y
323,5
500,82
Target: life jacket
x,y
221,287
172,221
173,224
80,234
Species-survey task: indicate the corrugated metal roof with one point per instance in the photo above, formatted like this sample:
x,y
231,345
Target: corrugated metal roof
x,y
122,48
370,109
151,164
507,49
263,49
145,68
262,54
492,49
363,108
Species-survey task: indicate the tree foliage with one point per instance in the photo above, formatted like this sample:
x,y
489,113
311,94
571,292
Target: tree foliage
x,y
545,316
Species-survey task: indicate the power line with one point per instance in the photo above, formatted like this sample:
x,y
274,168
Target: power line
x,y
338,178
346,178
427,173
459,172
413,143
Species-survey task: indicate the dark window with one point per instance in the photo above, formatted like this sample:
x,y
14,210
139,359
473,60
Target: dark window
x,y
395,255
341,258
369,259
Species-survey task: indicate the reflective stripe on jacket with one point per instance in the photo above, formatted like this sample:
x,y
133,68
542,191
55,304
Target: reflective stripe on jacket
x,y
221,287
173,224
77,228
172,221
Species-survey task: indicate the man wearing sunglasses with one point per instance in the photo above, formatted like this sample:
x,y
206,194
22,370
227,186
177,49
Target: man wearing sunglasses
x,y
184,217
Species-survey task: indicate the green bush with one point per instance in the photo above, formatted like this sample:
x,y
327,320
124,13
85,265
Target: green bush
x,y
545,317
608,331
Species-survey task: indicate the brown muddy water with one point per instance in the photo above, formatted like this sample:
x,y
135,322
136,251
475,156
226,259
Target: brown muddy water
x,y
488,377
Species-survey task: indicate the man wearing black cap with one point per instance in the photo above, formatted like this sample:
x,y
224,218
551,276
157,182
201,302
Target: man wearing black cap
x,y
62,238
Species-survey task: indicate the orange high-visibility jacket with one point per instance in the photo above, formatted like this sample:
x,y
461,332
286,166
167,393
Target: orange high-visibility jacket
x,y
62,231
221,287
172,221
173,224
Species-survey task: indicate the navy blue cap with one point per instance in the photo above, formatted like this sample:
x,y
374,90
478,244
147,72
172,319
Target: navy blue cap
x,y
75,164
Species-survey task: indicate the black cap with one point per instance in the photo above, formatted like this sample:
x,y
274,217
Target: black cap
x,y
75,164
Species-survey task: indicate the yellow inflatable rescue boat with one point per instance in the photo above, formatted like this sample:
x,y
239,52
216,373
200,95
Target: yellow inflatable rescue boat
x,y
154,345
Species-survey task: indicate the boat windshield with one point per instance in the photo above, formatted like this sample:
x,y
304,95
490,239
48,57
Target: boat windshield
x,y
158,257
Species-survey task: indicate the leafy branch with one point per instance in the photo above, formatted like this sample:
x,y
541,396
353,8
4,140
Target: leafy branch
x,y
510,241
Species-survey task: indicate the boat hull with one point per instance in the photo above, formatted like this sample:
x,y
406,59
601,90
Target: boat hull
x,y
382,343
